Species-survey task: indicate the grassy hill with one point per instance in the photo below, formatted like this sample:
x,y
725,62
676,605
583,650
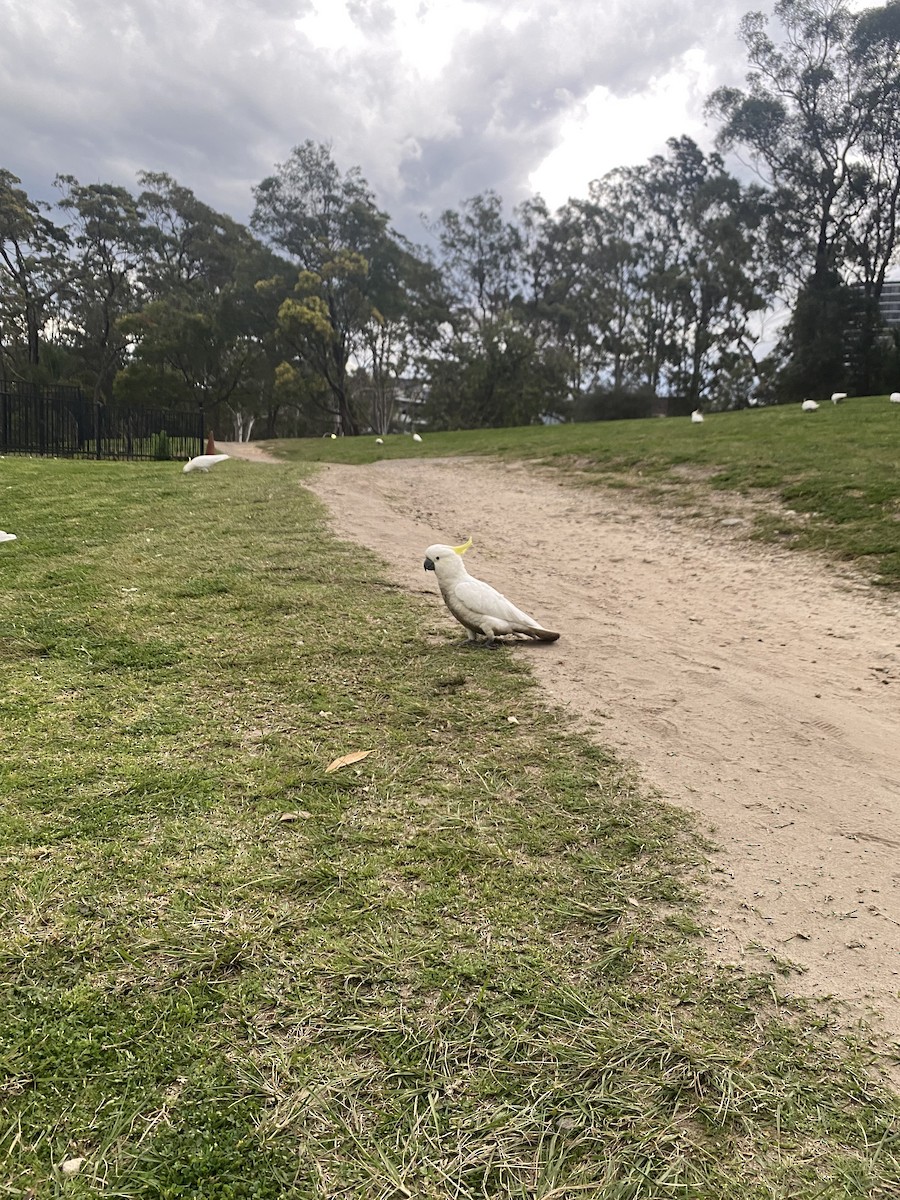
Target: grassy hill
x,y
466,965
839,468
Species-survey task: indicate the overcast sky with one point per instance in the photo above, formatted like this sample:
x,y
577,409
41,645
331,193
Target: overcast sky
x,y
434,100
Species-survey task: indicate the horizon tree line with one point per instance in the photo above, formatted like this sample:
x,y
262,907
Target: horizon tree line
x,y
320,315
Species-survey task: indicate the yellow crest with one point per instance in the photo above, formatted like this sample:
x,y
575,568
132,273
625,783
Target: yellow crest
x,y
467,545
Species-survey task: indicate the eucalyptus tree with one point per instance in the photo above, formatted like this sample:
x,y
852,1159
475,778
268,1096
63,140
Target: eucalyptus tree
x,y
548,308
189,246
332,230
678,269
204,333
480,254
393,343
108,237
589,292
715,273
494,362
33,271
820,121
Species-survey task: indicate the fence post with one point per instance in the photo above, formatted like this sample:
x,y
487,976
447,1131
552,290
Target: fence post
x,y
97,432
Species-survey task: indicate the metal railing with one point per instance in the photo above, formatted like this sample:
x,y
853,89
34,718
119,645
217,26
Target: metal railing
x,y
61,421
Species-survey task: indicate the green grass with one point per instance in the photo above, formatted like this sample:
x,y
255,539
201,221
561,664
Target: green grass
x,y
839,468
463,967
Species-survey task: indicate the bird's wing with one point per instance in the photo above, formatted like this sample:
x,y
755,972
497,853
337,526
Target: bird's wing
x,y
481,598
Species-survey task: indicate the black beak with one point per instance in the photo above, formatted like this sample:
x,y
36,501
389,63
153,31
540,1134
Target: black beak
x,y
429,565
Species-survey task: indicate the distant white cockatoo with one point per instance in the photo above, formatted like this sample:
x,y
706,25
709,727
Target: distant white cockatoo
x,y
417,437
476,605
379,441
203,462
895,397
753,401
7,537
809,406
697,416
837,397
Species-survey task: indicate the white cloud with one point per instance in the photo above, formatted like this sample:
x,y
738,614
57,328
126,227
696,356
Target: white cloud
x,y
608,131
434,100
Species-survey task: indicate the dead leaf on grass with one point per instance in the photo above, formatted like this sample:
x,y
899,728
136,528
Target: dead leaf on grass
x,y
300,815
346,759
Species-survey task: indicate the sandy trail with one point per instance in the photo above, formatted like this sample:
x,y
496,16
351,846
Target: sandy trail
x,y
752,686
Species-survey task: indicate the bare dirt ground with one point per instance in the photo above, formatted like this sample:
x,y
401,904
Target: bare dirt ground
x,y
248,450
757,688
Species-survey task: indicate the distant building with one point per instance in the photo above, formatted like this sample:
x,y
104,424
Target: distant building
x,y
889,302
409,402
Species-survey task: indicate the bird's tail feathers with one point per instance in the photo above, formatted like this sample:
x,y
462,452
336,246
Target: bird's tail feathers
x,y
542,635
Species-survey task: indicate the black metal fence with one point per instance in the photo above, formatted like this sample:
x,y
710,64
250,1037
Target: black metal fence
x,y
62,421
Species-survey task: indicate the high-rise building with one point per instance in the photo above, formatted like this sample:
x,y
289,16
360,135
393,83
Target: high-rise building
x,y
889,302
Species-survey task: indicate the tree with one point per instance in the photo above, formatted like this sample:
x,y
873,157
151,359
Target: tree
x,y
588,292
204,334
493,363
33,270
332,229
679,268
820,119
481,261
107,247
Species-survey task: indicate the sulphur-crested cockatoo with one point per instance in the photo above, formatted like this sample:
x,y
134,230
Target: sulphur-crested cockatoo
x,y
203,462
895,398
417,437
697,416
837,397
7,537
809,406
477,605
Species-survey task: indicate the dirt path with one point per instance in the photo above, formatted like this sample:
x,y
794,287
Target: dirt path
x,y
751,686
249,450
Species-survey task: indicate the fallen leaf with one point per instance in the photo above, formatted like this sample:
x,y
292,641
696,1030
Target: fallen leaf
x,y
71,1166
513,720
346,759
300,815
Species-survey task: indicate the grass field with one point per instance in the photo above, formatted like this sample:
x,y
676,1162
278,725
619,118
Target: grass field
x,y
464,966
839,468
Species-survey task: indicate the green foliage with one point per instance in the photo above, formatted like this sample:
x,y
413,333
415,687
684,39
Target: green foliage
x,y
351,266
161,448
820,119
503,378
650,286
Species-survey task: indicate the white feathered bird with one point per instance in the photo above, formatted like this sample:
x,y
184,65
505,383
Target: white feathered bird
x,y
809,406
7,537
203,462
697,416
837,397
417,437
476,605
895,397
